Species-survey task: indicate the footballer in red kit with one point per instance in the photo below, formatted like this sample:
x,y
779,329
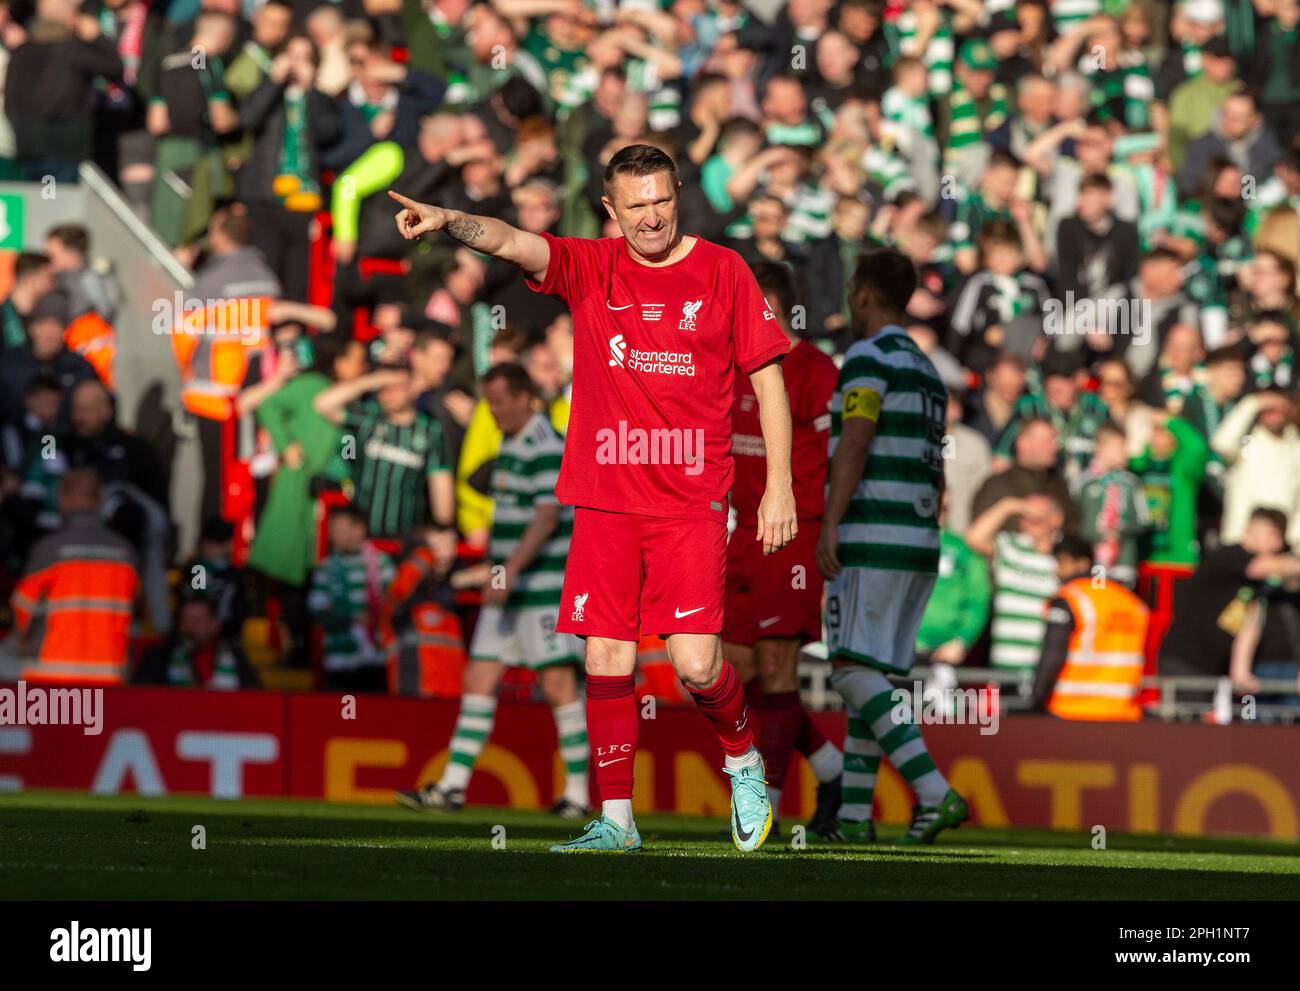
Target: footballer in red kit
x,y
774,602
663,325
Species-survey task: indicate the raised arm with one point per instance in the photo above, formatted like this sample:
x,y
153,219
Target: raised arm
x,y
529,252
331,402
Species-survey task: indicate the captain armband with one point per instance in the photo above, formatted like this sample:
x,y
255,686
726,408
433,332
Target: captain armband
x,y
861,403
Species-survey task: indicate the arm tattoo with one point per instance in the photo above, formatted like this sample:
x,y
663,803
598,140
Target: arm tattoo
x,y
465,229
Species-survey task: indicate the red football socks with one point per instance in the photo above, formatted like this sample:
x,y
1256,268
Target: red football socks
x,y
724,703
611,731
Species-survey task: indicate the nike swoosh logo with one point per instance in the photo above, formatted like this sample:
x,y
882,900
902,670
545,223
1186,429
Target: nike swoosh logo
x,y
763,624
682,615
740,833
613,307
606,763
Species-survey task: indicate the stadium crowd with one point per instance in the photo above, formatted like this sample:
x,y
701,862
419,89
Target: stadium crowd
x,y
1102,200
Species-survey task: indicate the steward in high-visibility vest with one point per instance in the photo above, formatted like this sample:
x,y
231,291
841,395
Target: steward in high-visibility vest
x,y
420,630
72,608
213,345
93,337
1092,659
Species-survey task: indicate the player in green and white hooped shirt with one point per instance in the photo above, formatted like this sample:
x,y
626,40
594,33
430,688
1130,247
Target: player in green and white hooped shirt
x,y
521,601
879,544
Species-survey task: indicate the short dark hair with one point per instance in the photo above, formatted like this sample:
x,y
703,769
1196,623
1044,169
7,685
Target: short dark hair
x,y
1224,354
889,274
29,263
776,280
74,237
514,375
1274,517
1072,545
640,160
1096,180
350,512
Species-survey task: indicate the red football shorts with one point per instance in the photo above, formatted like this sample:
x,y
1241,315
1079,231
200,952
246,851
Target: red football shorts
x,y
629,574
778,595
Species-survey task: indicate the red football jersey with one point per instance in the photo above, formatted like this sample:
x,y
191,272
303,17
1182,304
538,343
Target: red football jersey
x,y
810,378
656,352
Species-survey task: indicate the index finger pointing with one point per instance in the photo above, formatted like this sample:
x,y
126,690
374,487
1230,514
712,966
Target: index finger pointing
x,y
403,200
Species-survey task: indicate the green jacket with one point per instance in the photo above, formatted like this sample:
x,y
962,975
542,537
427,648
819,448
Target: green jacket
x,y
285,544
1171,486
959,604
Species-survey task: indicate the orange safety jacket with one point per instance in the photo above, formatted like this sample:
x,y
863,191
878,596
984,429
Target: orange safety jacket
x,y
72,609
427,657
212,347
93,337
1104,660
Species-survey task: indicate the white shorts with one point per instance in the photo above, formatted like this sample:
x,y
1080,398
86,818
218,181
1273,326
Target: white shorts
x,y
873,615
525,636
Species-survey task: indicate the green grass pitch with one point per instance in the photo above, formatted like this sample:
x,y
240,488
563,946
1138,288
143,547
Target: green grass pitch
x,y
59,845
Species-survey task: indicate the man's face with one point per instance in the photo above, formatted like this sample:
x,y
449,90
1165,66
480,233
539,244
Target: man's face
x,y
1268,277
1262,537
271,26
768,217
1094,204
346,535
90,410
1227,378
1036,101
1042,517
432,362
510,410
1161,277
198,625
47,337
40,281
977,81
1093,148
645,209
396,398
851,220
1060,391
999,183
300,61
1219,69
784,101
537,211
836,57
545,370
1036,447
1237,117
1006,380
1182,350
44,405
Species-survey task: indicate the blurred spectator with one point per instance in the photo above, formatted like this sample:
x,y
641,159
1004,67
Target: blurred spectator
x,y
1112,507
1092,658
1209,607
200,654
45,354
49,89
396,455
345,601
1259,443
68,248
72,609
33,277
291,123
421,630
1023,572
958,609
